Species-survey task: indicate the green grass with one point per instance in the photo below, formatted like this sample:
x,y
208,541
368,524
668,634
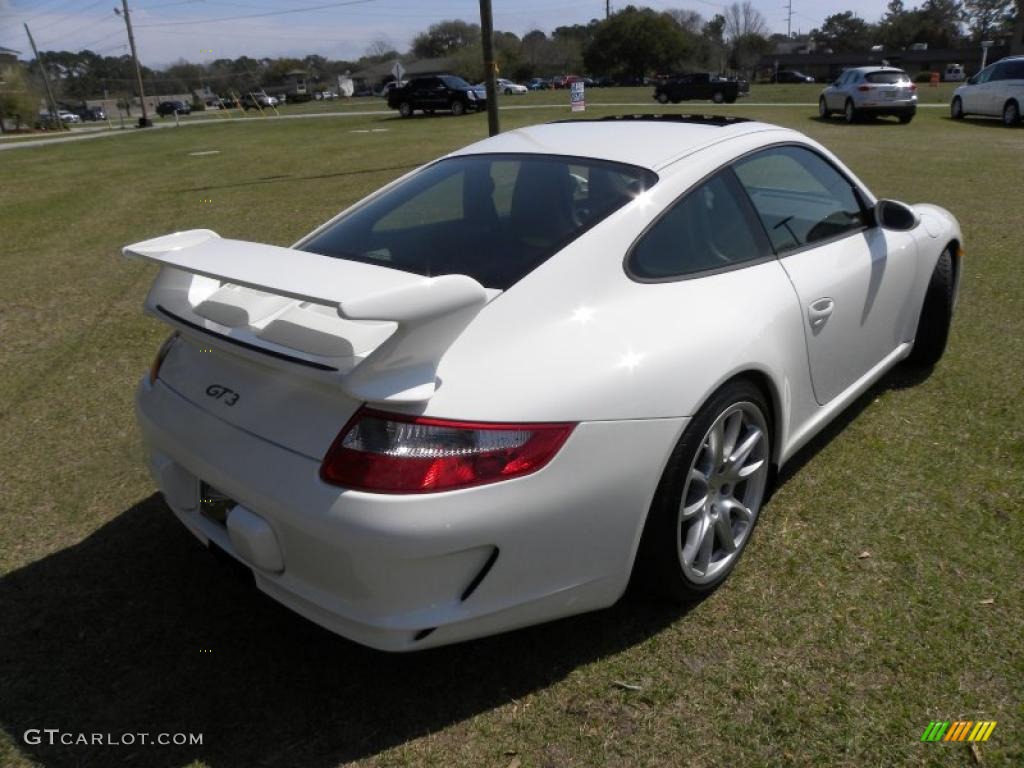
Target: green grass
x,y
810,654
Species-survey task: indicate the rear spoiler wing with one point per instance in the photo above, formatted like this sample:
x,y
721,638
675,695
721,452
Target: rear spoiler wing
x,y
430,312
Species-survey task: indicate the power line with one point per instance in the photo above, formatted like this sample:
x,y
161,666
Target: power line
x,y
257,15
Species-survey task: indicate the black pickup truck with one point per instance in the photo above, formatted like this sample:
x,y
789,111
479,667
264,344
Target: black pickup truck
x,y
699,86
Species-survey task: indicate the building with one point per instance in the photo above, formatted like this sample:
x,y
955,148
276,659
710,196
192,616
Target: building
x,y
376,75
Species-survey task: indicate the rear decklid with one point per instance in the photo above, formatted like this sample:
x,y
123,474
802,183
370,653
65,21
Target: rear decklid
x,y
295,333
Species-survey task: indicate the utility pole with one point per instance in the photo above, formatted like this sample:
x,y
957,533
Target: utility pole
x,y
144,121
607,8
54,112
487,33
789,18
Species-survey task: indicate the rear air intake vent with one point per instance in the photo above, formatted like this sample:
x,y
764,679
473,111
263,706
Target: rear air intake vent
x,y
719,120
471,587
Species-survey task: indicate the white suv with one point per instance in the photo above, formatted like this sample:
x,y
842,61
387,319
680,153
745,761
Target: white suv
x,y
998,90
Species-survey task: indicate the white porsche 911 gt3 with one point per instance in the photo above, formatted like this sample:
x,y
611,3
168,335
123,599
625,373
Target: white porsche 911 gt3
x,y
487,394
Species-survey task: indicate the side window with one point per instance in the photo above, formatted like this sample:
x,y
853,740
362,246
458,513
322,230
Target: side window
x,y
706,229
985,75
1001,72
1015,70
800,198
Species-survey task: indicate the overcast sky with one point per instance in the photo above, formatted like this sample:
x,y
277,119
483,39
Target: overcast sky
x,y
201,30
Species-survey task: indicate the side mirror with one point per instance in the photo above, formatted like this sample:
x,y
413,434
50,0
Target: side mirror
x,y
972,80
899,217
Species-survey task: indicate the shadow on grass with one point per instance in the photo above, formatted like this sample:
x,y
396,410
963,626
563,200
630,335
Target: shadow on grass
x,y
138,630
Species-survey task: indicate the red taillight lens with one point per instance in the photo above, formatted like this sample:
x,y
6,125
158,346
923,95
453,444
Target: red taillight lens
x,y
863,87
913,87
161,354
390,453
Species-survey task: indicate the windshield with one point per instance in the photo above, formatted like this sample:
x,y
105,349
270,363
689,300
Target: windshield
x,y
455,82
492,217
889,77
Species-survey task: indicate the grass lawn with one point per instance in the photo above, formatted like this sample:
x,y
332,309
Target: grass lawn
x,y
882,590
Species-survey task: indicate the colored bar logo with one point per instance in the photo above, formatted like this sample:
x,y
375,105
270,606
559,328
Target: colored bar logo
x,y
958,730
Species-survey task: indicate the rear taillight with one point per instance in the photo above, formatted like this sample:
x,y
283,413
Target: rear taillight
x,y
863,87
161,355
913,87
391,453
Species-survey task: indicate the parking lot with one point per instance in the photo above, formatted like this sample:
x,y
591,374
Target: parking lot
x,y
881,591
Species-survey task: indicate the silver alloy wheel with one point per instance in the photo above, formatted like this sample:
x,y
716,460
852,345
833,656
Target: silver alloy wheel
x,y
1011,113
723,492
822,108
850,113
718,97
956,109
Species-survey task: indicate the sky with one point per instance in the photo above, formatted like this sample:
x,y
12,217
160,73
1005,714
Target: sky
x,y
202,30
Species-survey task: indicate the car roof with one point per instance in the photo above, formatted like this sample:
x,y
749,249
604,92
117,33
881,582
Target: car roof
x,y
646,141
875,68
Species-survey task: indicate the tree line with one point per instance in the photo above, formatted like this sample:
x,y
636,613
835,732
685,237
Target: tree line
x,y
629,45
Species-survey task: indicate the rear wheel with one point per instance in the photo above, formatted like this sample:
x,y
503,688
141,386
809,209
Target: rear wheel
x,y
709,497
956,109
936,315
906,117
850,112
458,108
405,109
823,111
718,97
1011,113
663,98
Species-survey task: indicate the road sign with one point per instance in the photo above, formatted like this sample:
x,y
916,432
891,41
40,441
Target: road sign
x,y
576,101
398,71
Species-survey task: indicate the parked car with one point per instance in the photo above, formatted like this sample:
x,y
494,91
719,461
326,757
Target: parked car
x,y
67,116
510,88
538,84
258,100
91,114
465,404
437,92
998,91
603,81
791,76
699,86
954,73
870,91
165,108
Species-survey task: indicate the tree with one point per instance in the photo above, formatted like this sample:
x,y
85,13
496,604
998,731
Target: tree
x,y
18,100
940,23
747,32
988,17
634,42
843,32
445,38
689,21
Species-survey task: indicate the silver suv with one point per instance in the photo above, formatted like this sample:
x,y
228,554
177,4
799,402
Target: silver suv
x,y
998,90
864,91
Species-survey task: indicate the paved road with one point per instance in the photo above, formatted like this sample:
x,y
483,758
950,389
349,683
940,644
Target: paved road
x,y
648,107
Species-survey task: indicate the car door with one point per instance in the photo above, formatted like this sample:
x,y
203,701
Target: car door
x,y
974,96
834,94
851,279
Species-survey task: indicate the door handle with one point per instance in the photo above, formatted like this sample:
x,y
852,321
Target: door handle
x,y
819,312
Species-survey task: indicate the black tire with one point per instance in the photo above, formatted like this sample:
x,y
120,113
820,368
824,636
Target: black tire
x,y
659,565
936,315
956,109
718,97
458,108
850,113
508,91
906,117
405,109
730,99
823,111
1011,113
662,98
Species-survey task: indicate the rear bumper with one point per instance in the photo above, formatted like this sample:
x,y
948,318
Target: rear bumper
x,y
402,573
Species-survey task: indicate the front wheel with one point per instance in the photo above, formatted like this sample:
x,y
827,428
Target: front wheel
x,y
1011,113
405,109
718,97
956,109
709,497
823,111
458,108
663,98
936,315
